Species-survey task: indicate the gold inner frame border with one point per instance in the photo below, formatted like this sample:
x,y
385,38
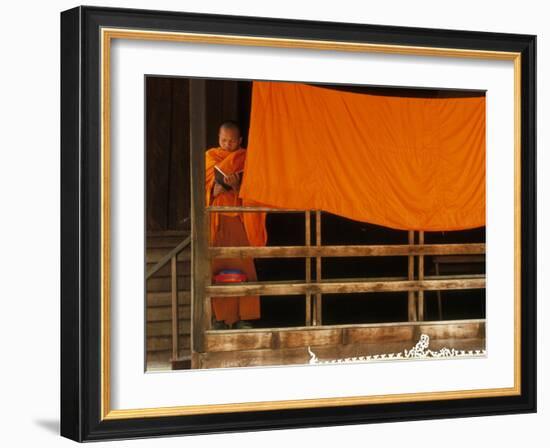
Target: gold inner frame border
x,y
107,35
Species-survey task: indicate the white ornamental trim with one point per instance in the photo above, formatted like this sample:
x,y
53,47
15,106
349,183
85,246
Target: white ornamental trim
x,y
419,351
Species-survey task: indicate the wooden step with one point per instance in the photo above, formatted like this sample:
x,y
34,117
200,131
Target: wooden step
x,y
183,268
337,335
164,284
157,343
162,299
181,275
155,329
301,355
155,254
165,355
166,242
163,233
161,360
162,314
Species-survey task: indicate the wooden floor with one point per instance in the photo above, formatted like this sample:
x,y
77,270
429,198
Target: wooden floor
x,y
287,346
300,355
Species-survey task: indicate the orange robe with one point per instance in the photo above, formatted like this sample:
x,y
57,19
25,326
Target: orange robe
x,y
232,229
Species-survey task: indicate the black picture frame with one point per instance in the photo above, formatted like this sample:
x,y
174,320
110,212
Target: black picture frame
x,y
81,202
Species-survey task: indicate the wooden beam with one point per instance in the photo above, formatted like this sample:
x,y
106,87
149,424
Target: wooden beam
x,y
166,242
421,277
200,227
334,287
332,335
165,259
314,337
163,357
154,255
164,328
168,233
184,266
300,355
346,251
308,266
455,330
175,316
452,259
388,325
237,341
164,313
318,316
156,343
438,293
164,299
412,302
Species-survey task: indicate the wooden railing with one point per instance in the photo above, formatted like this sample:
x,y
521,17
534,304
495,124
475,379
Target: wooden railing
x,y
172,257
415,285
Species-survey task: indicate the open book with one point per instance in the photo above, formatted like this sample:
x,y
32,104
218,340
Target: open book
x,y
219,177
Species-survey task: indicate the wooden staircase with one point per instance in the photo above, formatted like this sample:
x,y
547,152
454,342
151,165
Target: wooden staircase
x,y
159,301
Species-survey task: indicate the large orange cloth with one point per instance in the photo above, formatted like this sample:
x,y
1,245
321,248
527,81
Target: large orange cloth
x,y
402,162
232,229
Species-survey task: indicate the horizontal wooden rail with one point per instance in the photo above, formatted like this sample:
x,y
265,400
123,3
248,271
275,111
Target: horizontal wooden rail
x,y
388,325
345,286
347,251
290,345
166,258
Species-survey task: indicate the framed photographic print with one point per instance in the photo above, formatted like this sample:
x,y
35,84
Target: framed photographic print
x,y
274,223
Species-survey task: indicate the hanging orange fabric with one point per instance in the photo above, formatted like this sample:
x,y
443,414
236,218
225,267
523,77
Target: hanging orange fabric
x,y
401,162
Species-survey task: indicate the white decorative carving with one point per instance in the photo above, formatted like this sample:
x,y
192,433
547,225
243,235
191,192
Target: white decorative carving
x,y
420,350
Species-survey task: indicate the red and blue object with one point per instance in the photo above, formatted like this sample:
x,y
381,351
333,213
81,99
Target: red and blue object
x,y
230,276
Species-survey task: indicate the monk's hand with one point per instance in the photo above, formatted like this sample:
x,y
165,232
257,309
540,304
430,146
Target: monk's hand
x,y
217,189
233,181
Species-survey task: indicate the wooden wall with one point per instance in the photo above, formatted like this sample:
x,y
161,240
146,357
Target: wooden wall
x,y
167,163
167,137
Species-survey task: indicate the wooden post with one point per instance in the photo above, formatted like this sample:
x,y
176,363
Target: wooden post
x,y
318,316
421,277
175,315
308,267
412,294
200,229
207,302
438,292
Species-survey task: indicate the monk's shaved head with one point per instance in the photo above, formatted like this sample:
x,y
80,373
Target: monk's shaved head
x,y
231,125
229,136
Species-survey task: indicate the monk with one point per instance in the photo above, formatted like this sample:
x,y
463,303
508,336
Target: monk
x,y
233,228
